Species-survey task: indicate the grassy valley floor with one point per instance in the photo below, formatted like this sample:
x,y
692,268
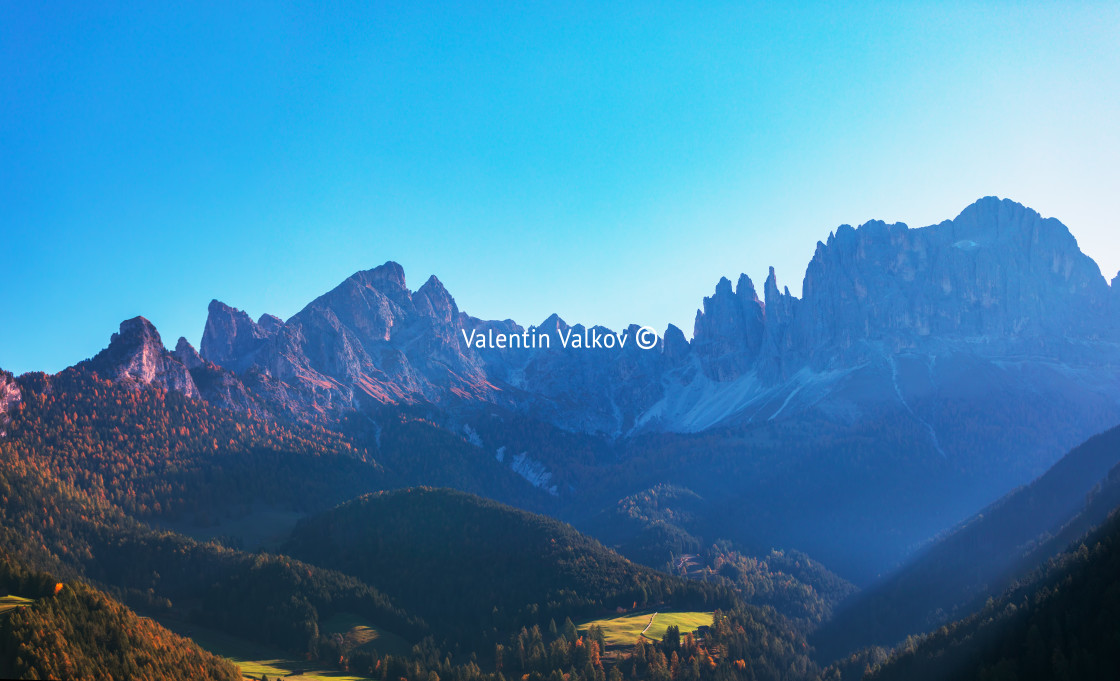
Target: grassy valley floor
x,y
256,660
622,632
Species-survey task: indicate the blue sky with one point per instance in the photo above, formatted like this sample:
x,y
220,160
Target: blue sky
x,y
605,163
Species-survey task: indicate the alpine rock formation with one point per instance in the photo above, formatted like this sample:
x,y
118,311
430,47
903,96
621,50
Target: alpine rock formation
x,y
136,356
371,339
889,317
10,397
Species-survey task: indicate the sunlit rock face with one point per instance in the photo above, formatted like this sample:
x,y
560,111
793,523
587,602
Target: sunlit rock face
x,y
368,338
998,271
10,397
136,356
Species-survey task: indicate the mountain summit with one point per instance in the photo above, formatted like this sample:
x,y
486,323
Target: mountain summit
x,y
136,355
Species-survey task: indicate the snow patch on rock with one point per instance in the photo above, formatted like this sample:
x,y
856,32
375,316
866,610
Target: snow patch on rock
x,y
471,435
534,472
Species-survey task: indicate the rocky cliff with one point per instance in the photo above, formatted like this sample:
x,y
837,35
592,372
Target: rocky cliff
x,y
730,331
231,338
136,356
997,274
10,398
370,338
997,271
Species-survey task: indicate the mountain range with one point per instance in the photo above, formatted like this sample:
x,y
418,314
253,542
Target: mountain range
x,y
883,304
912,351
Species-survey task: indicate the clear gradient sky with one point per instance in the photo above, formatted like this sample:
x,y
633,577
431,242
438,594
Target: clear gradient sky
x,y
606,161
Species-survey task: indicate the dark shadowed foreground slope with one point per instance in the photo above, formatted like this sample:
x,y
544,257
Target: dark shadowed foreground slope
x,y
1062,623
72,631
982,557
478,565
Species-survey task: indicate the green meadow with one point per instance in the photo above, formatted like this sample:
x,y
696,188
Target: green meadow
x,y
623,631
9,603
256,660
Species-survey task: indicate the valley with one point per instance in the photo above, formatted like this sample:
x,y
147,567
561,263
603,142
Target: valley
x,y
815,488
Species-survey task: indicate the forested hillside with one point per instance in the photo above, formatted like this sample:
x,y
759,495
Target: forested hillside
x,y
1061,623
983,556
157,453
460,557
664,527
479,567
72,631
50,525
489,577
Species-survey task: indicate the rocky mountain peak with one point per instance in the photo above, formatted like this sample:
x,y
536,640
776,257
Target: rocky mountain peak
x,y
433,300
778,353
676,346
997,270
553,324
136,356
137,332
231,337
728,333
745,288
390,273
270,323
1002,223
187,355
779,304
770,287
992,215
